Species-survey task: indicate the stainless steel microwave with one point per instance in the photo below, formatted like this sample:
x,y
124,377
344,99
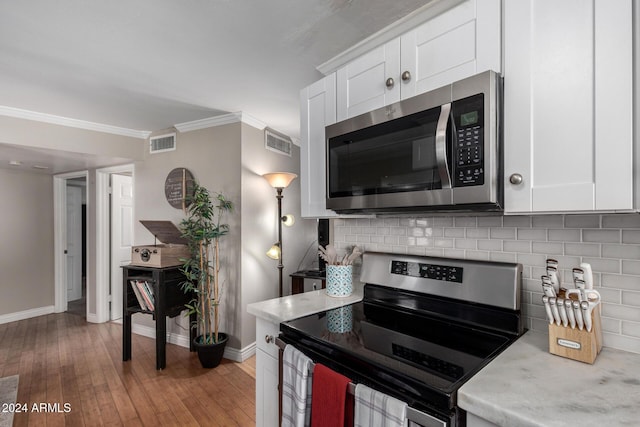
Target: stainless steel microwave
x,y
438,151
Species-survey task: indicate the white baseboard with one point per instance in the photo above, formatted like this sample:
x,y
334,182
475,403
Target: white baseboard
x,y
26,314
183,341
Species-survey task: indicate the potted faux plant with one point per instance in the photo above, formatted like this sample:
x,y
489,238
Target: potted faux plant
x,y
203,229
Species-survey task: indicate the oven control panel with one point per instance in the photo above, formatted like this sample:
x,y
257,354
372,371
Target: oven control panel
x,y
427,271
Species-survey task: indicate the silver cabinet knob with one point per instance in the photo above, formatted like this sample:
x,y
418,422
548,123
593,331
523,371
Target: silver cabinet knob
x,y
515,179
269,339
406,76
390,82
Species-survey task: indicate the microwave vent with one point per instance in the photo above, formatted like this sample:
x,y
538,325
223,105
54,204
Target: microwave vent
x,y
162,143
276,142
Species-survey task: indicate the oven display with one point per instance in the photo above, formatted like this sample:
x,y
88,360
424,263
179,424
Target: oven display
x,y
427,271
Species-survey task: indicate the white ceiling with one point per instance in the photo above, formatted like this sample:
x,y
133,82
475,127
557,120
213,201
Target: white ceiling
x,y
149,64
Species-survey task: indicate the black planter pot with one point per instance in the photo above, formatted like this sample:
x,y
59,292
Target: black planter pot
x,y
210,355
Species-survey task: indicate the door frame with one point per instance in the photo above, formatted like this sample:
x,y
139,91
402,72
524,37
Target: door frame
x,y
60,238
103,237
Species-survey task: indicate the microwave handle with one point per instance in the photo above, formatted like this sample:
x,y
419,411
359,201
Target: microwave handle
x,y
441,146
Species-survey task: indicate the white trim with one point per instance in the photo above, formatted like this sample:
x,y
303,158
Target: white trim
x,y
234,354
26,314
103,257
74,123
396,29
60,238
223,119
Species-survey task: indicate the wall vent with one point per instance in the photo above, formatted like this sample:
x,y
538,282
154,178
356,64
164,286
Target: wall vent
x,y
277,142
162,143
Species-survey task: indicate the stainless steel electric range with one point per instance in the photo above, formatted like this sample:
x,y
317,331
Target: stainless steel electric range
x,y
425,326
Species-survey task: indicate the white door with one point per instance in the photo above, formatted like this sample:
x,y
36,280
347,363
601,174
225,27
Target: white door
x,y
121,236
74,243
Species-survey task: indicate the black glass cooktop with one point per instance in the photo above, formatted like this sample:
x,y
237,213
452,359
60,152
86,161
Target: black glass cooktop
x,y
413,355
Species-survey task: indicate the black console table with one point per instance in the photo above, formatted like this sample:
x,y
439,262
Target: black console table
x,y
169,301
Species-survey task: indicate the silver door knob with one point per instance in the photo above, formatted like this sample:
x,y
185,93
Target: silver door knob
x,y
268,338
390,82
515,179
406,76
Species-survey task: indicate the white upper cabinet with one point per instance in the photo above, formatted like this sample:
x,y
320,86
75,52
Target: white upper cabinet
x,y
457,43
317,110
568,131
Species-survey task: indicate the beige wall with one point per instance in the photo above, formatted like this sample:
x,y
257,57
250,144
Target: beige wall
x,y
26,255
259,227
31,133
229,159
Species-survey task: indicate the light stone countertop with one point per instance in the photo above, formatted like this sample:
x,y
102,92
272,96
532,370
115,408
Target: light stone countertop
x,y
279,310
527,386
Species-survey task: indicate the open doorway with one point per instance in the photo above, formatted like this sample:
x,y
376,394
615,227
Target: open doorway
x,y
76,255
71,199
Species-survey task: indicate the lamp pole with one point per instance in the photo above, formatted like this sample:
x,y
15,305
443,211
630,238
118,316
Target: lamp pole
x,y
280,265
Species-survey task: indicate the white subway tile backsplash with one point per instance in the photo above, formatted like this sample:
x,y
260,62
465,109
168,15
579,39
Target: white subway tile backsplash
x,y
477,233
623,282
502,233
630,298
532,234
610,243
631,267
454,232
547,248
516,221
631,220
621,251
547,221
601,236
564,235
582,221
582,249
516,246
630,236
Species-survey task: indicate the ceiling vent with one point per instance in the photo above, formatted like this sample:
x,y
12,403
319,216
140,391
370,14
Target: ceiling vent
x,y
277,142
162,143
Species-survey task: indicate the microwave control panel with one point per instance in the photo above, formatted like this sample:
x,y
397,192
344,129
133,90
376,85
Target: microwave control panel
x,y
468,142
427,271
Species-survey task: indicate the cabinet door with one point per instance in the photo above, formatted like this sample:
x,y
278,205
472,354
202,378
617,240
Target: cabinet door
x,y
266,374
266,390
362,84
317,110
568,105
458,43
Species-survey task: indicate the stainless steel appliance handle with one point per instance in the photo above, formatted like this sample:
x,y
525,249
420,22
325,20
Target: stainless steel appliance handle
x,y
441,146
424,420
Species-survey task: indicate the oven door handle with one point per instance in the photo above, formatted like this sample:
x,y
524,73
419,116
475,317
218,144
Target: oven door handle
x,y
424,420
441,146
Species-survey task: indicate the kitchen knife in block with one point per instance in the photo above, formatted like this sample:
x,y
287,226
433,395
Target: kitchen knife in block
x,y
576,344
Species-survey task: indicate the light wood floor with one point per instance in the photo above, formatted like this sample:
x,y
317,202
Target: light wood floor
x,y
61,359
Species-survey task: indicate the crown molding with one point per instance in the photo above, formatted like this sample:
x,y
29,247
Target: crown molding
x,y
223,119
390,32
74,123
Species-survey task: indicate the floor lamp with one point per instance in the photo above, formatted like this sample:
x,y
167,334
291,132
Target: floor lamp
x,y
279,181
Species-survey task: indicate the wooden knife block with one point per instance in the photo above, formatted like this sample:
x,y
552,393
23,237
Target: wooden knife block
x,y
577,344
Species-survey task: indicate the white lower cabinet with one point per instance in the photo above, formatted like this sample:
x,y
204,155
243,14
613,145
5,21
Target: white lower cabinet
x,y
568,106
267,392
